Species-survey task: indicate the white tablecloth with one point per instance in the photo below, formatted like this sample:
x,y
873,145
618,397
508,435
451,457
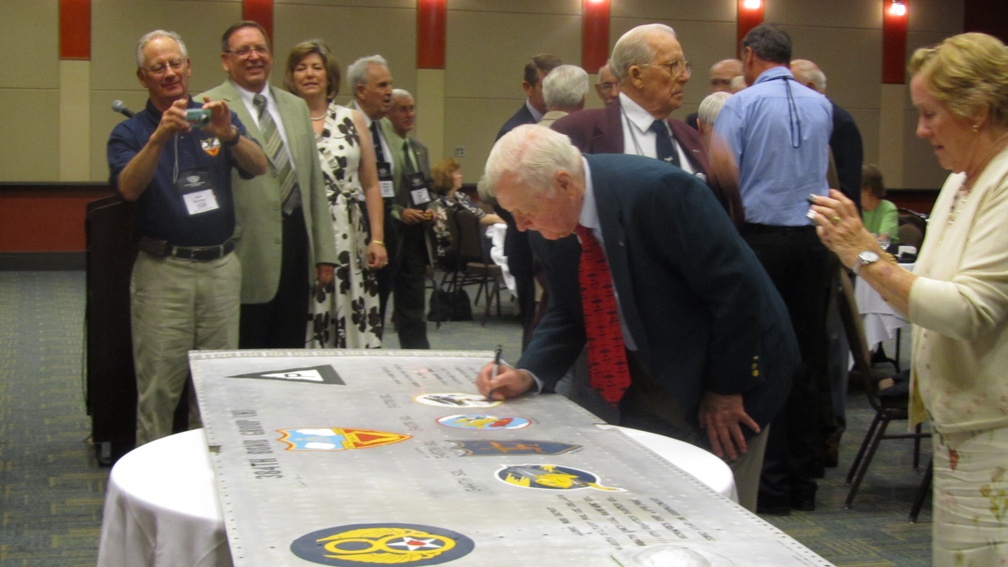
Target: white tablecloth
x,y
496,232
162,509
879,319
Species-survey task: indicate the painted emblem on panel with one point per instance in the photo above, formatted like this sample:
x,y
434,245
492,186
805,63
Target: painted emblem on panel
x,y
483,447
551,477
456,400
382,544
484,422
336,438
313,374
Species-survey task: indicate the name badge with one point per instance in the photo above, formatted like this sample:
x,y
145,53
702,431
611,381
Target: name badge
x,y
385,180
197,191
418,189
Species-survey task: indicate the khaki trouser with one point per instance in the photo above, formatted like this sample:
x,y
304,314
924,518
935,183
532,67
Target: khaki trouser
x,y
177,306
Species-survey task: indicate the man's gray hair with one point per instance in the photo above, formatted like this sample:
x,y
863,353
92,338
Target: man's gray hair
x,y
151,35
400,93
633,48
357,72
711,106
529,156
565,87
808,72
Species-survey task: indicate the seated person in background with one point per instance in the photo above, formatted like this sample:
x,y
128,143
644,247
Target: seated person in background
x,y
879,215
447,175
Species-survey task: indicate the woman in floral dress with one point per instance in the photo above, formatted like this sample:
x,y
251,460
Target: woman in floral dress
x,y
346,314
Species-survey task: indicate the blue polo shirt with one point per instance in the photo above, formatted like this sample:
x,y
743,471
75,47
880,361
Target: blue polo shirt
x,y
161,209
781,145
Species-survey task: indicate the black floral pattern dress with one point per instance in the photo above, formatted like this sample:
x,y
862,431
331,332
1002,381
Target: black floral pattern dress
x,y
346,314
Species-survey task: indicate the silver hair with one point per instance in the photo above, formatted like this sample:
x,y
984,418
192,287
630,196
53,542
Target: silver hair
x,y
529,156
400,93
711,106
808,72
565,87
633,48
357,72
152,35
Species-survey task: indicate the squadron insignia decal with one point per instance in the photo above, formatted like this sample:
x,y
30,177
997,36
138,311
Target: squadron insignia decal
x,y
485,447
550,477
336,438
382,544
313,374
455,400
484,422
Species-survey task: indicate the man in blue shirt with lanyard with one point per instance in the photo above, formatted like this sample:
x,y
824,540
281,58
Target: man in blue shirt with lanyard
x,y
774,138
186,280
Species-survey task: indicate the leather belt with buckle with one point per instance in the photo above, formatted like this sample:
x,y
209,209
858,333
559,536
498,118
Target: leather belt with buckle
x,y
162,249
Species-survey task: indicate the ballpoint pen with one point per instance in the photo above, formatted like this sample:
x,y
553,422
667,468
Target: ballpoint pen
x,y
495,369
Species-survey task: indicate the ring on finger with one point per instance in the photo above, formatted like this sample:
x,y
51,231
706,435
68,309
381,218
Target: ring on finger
x,y
835,219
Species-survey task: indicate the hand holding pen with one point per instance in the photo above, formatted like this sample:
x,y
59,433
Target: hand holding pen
x,y
498,381
495,370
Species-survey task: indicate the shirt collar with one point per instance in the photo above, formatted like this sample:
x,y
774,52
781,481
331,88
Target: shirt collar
x,y
535,113
589,217
247,95
636,114
773,73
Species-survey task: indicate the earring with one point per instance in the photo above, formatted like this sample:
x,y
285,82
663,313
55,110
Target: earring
x,y
976,128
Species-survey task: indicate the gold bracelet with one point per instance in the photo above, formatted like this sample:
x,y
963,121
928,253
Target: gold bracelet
x,y
378,242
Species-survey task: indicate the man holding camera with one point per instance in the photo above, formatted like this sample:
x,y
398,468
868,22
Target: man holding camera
x,y
174,159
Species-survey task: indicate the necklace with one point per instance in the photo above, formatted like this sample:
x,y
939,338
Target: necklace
x,y
317,118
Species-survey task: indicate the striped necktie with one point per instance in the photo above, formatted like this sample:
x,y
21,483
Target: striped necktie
x,y
607,363
277,152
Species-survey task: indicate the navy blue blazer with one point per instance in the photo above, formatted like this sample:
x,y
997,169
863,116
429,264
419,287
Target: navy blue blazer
x,y
523,116
701,309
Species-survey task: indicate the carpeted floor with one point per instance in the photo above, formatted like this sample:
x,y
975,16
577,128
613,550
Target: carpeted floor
x,y
52,489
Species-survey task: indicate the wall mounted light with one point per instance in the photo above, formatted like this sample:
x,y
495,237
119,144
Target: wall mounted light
x,y
752,4
897,8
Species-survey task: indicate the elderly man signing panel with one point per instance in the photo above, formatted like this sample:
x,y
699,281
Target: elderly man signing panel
x,y
700,345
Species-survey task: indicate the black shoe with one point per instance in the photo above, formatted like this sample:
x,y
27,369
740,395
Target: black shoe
x,y
803,498
772,506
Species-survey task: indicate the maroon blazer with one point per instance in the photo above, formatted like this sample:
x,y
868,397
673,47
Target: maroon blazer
x,y
600,131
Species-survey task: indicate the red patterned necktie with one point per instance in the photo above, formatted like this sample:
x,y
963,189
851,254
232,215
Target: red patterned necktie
x,y
607,363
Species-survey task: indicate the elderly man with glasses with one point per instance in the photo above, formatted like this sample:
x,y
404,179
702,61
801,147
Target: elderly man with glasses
x,y
186,280
652,71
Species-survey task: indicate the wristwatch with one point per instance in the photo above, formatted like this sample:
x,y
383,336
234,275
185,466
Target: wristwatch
x,y
863,259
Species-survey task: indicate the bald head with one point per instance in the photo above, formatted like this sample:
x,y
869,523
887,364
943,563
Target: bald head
x,y
721,74
809,74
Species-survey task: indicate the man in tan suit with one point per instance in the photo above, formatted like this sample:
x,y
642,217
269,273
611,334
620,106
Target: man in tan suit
x,y
284,235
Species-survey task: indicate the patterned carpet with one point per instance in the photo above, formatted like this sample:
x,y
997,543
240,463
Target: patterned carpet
x,y
52,489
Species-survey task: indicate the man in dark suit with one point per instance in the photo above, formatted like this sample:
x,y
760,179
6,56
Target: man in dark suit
x,y
516,247
408,261
284,235
652,72
709,346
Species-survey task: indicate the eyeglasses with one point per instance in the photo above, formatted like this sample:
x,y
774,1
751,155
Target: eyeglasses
x,y
677,66
607,86
247,51
160,68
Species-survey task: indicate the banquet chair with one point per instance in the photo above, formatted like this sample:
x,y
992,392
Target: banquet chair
x,y
887,408
479,267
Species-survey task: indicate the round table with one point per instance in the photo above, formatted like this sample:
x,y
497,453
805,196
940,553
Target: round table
x,y
162,509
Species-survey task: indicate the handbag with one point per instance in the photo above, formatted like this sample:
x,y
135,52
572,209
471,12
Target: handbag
x,y
446,306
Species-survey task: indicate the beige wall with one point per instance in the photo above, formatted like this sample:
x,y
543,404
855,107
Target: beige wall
x,y
46,138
